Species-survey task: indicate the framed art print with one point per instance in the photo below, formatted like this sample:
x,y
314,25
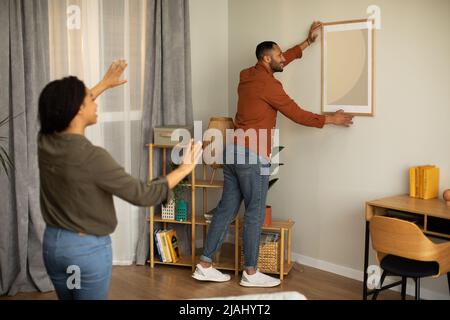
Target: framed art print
x,y
348,67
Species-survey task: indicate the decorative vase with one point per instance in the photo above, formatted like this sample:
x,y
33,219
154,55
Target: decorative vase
x,y
268,216
221,124
181,210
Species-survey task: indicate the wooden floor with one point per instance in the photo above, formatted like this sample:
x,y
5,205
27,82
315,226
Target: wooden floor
x,y
171,283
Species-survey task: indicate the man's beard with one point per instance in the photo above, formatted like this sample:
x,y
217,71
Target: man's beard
x,y
276,67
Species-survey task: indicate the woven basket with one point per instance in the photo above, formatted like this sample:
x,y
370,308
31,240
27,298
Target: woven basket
x,y
268,260
168,211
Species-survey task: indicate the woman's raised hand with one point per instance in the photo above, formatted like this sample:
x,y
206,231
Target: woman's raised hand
x,y
115,71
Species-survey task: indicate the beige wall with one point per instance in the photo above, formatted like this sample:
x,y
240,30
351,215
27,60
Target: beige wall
x,y
209,62
209,58
330,173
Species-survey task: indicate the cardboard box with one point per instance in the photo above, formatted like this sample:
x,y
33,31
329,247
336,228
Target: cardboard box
x,y
162,135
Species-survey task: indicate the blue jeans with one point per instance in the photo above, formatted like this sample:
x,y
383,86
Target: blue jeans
x,y
78,265
248,182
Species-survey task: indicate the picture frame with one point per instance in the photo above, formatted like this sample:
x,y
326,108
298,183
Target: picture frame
x,y
348,67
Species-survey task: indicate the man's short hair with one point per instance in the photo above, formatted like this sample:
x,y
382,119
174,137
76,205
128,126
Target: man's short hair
x,y
263,47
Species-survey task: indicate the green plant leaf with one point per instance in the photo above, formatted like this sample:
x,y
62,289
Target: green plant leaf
x,y
274,166
7,118
4,121
5,161
276,150
272,182
181,187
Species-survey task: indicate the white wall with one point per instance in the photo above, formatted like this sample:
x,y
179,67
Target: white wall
x,y
209,58
209,61
330,173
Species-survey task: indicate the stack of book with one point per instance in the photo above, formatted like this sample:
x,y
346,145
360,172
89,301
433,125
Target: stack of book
x,y
424,182
166,245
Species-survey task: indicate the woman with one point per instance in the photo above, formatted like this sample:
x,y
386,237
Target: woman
x,y
78,181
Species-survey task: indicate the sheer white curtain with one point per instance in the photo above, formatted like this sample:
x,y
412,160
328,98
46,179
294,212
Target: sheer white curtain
x,y
100,31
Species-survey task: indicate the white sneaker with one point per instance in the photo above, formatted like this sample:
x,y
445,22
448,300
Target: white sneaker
x,y
258,279
209,274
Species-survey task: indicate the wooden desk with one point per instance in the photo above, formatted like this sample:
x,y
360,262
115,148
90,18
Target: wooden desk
x,y
432,216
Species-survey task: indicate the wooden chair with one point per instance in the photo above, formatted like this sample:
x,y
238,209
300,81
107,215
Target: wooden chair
x,y
404,250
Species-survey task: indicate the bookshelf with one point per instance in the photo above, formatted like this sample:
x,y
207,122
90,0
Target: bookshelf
x,y
229,256
195,220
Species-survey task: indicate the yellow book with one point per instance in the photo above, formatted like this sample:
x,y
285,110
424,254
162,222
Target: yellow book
x,y
421,182
172,243
412,182
420,188
417,172
430,183
165,246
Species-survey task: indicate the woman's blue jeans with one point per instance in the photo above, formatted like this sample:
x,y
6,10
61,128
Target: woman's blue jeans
x,y
78,265
249,182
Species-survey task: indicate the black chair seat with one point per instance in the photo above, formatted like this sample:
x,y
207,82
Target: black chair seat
x,y
409,268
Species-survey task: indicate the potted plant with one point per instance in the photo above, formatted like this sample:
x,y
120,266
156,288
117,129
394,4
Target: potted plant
x,y
181,208
5,160
268,215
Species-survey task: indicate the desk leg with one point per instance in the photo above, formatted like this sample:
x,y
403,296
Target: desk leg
x,y
366,260
282,253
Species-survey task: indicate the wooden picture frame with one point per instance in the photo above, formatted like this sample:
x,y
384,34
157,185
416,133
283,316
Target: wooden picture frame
x,y
348,67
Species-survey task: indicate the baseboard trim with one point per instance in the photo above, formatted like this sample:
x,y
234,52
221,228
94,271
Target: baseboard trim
x,y
358,275
122,262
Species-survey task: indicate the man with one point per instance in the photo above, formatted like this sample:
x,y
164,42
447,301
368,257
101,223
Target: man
x,y
260,97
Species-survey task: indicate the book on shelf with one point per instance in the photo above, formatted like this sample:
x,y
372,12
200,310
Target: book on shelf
x,y
166,246
162,242
172,243
424,182
156,246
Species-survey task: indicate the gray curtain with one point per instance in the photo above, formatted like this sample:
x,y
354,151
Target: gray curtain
x,y
23,73
167,97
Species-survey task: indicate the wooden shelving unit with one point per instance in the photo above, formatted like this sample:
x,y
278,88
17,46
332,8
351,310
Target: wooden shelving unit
x,y
195,219
229,254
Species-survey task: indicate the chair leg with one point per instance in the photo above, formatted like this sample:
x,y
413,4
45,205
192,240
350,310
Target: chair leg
x,y
417,280
375,294
404,288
